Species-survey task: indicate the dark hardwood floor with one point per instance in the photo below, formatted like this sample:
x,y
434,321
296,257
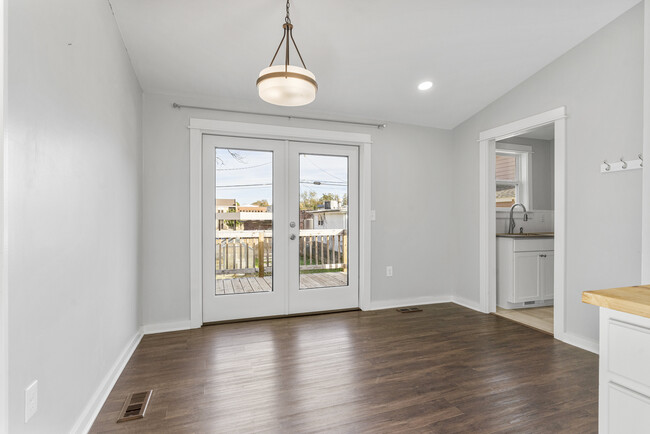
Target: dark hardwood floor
x,y
446,369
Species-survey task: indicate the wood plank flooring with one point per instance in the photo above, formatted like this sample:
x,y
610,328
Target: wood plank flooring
x,y
540,318
447,369
241,285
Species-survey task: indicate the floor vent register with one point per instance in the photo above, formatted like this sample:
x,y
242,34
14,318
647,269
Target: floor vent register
x,y
135,406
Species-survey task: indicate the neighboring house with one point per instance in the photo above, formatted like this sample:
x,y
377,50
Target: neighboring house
x,y
231,216
330,218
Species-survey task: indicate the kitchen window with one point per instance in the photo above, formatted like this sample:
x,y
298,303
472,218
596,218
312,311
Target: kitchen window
x,y
512,177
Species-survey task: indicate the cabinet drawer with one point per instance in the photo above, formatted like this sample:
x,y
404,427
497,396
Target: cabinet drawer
x,y
628,412
628,351
534,245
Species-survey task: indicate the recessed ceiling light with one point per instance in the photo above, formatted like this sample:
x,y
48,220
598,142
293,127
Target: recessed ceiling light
x,y
425,85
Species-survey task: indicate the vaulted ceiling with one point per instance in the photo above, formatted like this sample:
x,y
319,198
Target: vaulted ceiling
x,y
368,55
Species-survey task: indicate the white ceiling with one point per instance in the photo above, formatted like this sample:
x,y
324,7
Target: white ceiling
x,y
368,55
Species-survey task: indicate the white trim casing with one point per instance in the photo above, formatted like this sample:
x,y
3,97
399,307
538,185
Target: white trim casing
x,y
4,287
487,211
645,202
199,127
90,412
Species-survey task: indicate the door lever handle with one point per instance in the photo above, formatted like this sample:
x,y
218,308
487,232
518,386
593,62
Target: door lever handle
x,y
292,237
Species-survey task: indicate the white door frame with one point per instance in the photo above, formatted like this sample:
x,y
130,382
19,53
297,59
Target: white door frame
x,y
487,209
4,297
199,127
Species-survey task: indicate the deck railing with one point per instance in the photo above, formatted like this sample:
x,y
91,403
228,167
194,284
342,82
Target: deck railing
x,y
251,252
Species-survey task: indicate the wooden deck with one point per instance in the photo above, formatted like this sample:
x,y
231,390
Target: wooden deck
x,y
243,285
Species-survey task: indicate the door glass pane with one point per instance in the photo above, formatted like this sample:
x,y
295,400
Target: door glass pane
x,y
323,240
244,221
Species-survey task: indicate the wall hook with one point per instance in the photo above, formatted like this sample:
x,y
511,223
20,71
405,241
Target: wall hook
x,y
609,167
624,163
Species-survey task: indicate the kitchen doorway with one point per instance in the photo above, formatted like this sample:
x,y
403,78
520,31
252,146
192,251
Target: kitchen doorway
x,y
539,259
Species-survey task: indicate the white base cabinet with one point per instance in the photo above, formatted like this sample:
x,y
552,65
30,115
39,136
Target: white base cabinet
x,y
624,383
524,272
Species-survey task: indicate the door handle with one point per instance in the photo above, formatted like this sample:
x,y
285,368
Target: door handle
x,y
292,237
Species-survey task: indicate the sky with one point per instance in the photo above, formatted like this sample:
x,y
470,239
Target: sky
x,y
246,176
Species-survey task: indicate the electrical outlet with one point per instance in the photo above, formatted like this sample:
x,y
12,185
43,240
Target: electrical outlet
x,y
389,271
373,215
31,400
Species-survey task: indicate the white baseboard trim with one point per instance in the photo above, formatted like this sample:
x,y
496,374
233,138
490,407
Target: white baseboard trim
x,y
580,342
166,327
87,417
470,304
388,304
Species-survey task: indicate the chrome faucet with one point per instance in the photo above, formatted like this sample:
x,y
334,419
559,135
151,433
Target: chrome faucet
x,y
511,226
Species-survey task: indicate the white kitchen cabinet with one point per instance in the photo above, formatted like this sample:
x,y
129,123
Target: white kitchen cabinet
x,y
624,365
546,274
527,280
624,403
524,272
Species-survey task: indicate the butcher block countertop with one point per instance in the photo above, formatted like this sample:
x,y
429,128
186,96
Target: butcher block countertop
x,y
629,299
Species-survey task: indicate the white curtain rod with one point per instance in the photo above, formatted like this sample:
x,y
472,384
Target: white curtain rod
x,y
180,106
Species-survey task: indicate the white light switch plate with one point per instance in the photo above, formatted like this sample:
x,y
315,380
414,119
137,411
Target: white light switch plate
x,y
31,400
389,271
373,215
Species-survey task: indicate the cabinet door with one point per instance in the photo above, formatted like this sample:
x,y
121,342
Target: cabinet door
x,y
546,273
527,286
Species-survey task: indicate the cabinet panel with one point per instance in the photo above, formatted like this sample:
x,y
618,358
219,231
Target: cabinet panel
x,y
526,287
546,274
628,412
629,351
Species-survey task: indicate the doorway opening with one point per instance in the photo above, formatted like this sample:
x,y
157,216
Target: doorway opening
x,y
522,221
524,188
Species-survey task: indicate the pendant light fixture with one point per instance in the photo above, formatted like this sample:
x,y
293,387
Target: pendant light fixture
x,y
287,85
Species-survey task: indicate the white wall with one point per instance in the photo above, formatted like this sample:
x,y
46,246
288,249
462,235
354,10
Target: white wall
x,y
410,171
601,83
74,168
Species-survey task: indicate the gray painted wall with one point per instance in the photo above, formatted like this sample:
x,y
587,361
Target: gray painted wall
x,y
601,83
410,191
74,167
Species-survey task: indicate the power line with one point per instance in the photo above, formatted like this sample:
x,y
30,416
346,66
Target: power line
x,y
321,169
243,168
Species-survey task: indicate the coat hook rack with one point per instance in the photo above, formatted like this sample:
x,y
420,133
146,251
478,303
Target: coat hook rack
x,y
622,165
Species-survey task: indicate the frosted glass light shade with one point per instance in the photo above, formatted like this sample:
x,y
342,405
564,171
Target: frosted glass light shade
x,y
296,88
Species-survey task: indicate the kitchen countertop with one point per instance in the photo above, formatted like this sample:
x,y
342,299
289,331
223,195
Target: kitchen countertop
x,y
528,235
629,299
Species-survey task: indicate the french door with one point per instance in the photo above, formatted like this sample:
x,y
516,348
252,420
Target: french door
x,y
280,227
